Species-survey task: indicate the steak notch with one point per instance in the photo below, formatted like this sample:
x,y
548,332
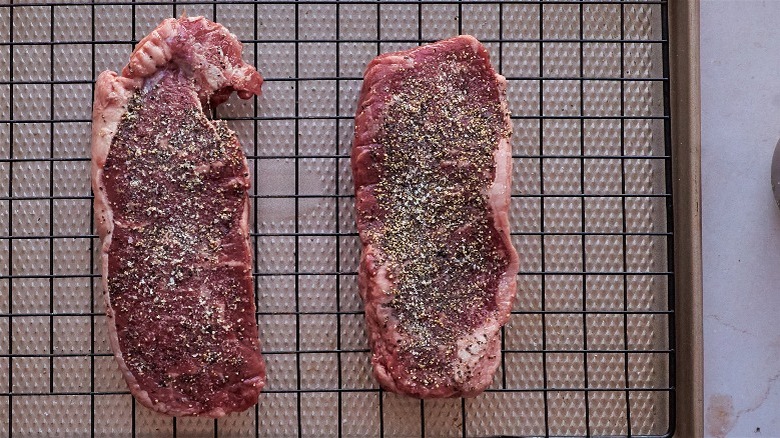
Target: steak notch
x,y
431,162
172,212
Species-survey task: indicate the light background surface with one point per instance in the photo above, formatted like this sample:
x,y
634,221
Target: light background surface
x,y
740,66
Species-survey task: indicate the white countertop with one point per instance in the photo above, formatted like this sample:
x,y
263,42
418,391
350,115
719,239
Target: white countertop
x,y
740,63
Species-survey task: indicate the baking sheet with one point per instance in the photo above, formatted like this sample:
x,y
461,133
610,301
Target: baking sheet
x,y
587,350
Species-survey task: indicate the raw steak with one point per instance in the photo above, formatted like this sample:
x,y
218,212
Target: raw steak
x,y
432,165
172,211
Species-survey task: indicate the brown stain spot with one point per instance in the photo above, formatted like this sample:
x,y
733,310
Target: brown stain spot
x,y
720,415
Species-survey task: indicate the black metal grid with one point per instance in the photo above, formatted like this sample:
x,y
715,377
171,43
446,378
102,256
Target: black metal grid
x,y
533,154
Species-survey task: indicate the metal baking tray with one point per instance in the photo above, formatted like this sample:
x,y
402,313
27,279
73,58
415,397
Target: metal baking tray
x,y
605,338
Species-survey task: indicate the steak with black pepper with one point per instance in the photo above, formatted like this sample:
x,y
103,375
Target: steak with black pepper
x,y
172,212
431,161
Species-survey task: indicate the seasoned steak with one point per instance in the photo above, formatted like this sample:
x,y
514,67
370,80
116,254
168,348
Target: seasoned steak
x,y
172,212
432,163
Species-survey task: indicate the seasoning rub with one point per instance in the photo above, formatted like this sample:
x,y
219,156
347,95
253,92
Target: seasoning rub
x,y
172,212
432,164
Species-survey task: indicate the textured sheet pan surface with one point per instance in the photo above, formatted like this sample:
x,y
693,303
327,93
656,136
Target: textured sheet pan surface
x,y
589,214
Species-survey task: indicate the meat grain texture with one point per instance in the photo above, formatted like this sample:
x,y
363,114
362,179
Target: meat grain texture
x,y
431,162
172,212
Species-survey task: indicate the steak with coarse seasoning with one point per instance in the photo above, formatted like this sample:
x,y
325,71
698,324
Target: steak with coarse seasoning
x,y
172,212
431,162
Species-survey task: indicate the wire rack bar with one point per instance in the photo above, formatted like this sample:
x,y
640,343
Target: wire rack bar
x,y
349,2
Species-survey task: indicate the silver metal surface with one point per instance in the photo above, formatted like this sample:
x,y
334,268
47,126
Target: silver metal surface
x,y
776,173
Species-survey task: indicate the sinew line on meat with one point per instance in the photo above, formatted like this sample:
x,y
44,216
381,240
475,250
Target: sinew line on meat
x,y
172,212
431,161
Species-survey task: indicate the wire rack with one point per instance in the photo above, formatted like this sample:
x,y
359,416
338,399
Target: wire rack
x,y
588,349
